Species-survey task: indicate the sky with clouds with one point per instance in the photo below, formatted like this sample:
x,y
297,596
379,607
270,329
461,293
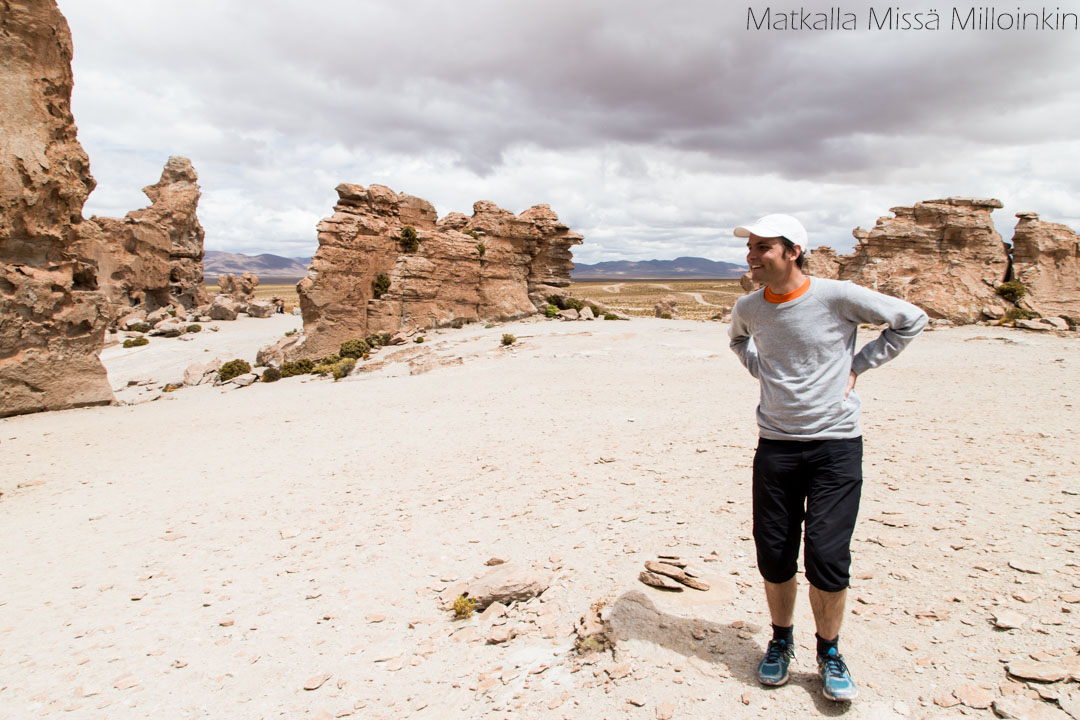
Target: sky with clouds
x,y
651,128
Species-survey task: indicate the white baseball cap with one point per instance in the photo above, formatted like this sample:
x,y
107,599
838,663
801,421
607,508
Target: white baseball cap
x,y
776,225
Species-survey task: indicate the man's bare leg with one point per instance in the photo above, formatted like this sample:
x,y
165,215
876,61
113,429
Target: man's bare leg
x,y
828,610
781,599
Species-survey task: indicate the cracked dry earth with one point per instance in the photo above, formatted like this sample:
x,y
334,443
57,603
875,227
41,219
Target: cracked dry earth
x,y
279,550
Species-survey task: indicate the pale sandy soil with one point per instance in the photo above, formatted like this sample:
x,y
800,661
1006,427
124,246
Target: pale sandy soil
x,y
209,553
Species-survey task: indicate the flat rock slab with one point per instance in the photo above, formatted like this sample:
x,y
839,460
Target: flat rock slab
x,y
506,583
1018,707
674,573
659,581
1040,671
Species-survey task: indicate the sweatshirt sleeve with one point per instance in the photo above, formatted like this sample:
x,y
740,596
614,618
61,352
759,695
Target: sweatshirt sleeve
x,y
905,322
741,342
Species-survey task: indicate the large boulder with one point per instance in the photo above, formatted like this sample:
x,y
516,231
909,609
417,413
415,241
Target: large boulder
x,y
54,315
223,308
152,258
943,255
1046,259
493,265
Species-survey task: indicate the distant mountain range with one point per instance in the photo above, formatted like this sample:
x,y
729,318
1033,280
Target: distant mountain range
x,y
267,266
685,267
217,263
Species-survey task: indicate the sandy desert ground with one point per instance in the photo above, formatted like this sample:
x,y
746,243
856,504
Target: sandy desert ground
x,y
214,552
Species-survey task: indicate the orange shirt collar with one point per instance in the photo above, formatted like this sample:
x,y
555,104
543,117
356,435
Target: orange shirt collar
x,y
786,297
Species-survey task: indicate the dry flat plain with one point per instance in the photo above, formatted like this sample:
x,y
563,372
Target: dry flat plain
x,y
217,552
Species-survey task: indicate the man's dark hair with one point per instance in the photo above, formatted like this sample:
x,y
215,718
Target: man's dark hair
x,y
788,245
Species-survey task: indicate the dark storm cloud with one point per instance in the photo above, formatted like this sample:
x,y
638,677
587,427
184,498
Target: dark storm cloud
x,y
478,82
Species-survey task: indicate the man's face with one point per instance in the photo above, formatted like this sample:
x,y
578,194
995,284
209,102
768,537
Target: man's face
x,y
769,261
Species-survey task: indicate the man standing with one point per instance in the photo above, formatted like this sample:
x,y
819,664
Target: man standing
x,y
797,337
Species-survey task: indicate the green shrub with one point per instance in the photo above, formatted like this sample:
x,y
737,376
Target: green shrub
x,y
551,311
271,374
610,316
380,285
1012,290
419,339
596,311
136,342
665,316
1014,314
508,339
572,302
194,328
354,348
234,368
297,367
290,333
481,248
329,360
409,240
342,368
472,233
140,327
457,323
464,607
386,338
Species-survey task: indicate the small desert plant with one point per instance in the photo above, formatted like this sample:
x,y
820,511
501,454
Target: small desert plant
x,y
380,285
1014,314
464,607
665,316
596,311
419,339
329,360
457,323
572,302
234,368
140,327
342,368
610,316
271,374
297,367
481,248
290,333
136,342
194,328
1012,290
508,339
409,239
473,234
354,348
551,311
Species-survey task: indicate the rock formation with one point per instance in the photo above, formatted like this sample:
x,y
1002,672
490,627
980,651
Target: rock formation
x,y
52,315
370,276
241,288
152,258
1046,259
943,255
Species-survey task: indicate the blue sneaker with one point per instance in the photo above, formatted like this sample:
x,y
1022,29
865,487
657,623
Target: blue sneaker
x,y
839,687
773,668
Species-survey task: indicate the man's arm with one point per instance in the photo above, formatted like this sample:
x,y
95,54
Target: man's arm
x,y
741,342
904,320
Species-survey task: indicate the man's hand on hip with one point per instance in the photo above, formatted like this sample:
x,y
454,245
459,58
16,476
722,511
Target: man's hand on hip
x,y
850,384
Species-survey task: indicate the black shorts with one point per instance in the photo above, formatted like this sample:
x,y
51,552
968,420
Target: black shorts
x,y
818,481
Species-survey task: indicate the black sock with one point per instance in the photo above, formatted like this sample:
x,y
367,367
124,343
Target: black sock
x,y
823,646
784,633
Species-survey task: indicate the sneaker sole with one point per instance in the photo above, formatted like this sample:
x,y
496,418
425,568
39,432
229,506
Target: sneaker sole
x,y
778,683
835,698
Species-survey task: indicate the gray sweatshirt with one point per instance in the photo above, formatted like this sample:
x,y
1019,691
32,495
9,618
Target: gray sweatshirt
x,y
803,350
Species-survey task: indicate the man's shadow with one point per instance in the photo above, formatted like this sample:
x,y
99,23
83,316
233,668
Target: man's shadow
x,y
634,616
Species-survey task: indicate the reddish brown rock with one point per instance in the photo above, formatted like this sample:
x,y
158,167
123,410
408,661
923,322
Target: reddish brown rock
x,y
54,315
241,288
942,255
1046,259
152,258
505,272
822,262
